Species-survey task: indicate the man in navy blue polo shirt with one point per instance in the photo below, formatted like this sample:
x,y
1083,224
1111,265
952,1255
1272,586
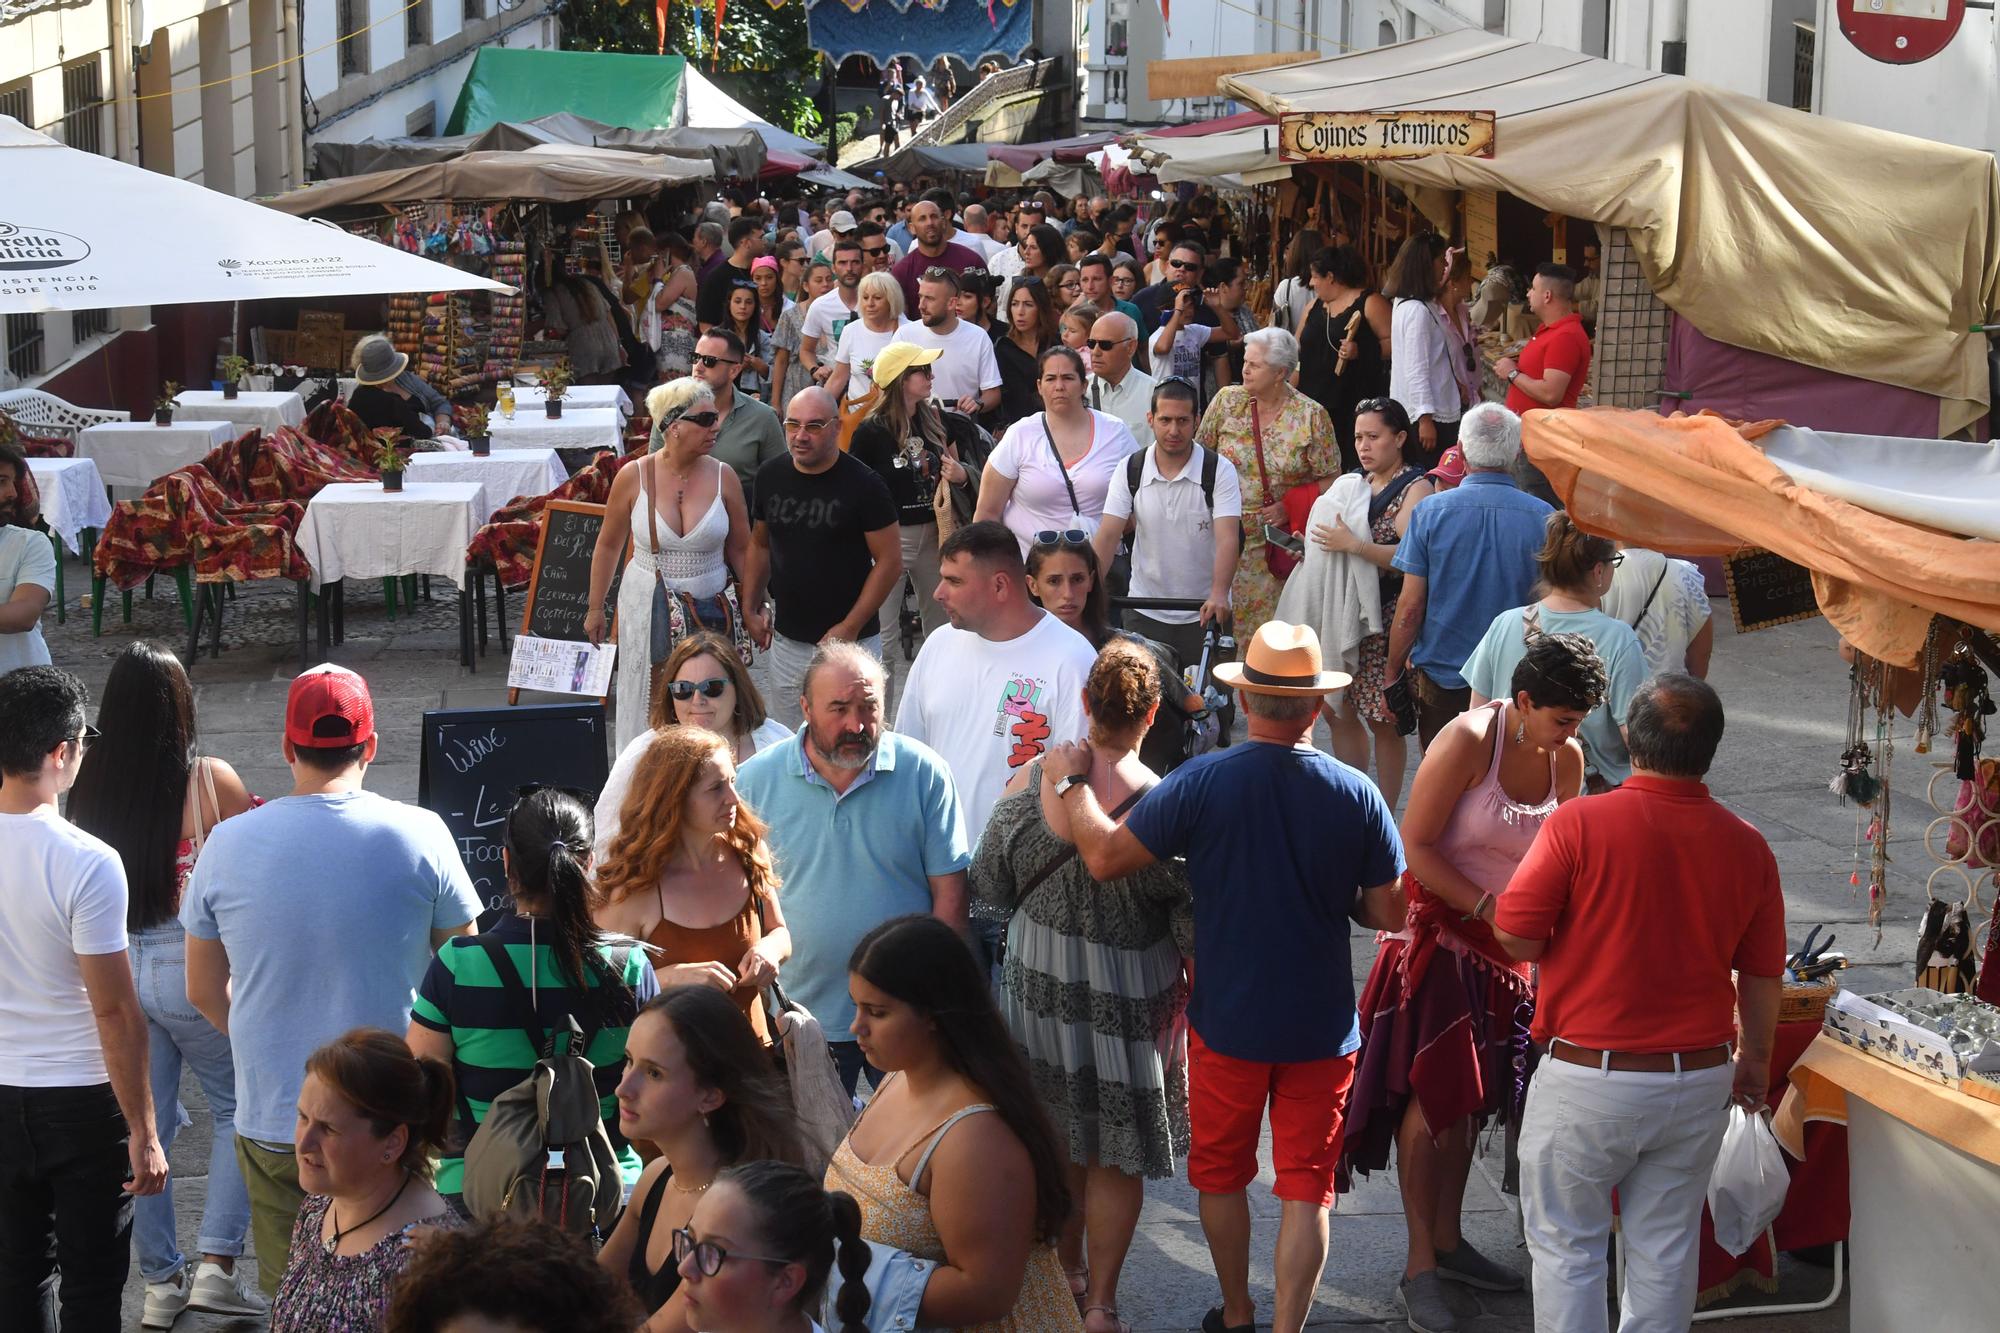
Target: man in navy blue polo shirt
x,y
1285,846
864,826
1469,555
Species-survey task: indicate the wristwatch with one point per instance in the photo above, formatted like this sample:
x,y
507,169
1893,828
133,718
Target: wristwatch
x,y
1065,785
1513,375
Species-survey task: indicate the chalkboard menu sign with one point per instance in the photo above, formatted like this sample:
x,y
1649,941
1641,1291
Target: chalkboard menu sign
x,y
475,759
1767,589
559,584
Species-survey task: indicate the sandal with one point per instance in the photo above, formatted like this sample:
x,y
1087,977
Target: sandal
x,y
1079,1285
1111,1310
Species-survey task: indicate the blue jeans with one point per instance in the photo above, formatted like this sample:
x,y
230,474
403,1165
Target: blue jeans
x,y
63,1209
180,1035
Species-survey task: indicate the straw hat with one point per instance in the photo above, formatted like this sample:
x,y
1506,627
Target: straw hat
x,y
1283,659
376,361
893,360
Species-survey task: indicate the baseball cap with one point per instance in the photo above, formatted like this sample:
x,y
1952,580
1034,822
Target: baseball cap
x,y
841,221
328,708
1451,467
897,357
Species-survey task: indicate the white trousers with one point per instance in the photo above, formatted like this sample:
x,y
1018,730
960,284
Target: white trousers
x,y
1651,1137
786,661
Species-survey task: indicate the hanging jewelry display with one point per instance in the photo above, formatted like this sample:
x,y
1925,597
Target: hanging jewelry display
x,y
1878,862
1927,708
1854,780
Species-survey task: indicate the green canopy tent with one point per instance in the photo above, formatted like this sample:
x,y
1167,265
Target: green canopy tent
x,y
638,92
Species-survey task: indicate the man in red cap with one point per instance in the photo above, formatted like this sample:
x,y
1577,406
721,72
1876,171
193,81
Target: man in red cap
x,y
308,916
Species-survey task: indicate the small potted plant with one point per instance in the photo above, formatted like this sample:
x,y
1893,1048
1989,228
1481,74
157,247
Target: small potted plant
x,y
556,380
163,406
473,421
234,368
389,457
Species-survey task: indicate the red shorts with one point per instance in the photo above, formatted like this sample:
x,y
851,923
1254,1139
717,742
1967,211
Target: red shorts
x,y
1226,1101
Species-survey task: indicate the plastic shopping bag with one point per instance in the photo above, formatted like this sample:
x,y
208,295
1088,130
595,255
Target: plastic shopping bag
x,y
1746,1190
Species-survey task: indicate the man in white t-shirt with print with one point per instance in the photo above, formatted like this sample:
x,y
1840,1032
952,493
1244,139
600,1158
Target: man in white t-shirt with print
x,y
829,314
27,570
1184,545
77,1135
966,377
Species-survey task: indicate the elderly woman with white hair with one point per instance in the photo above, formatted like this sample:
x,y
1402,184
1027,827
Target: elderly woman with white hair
x,y
1280,441
684,514
879,302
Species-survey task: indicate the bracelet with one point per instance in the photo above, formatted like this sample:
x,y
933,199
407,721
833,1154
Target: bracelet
x,y
1478,908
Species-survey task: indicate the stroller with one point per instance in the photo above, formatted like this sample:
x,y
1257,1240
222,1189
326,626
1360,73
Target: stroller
x,y
1178,735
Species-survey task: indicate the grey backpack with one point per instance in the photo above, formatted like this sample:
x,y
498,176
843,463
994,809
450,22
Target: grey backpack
x,y
542,1150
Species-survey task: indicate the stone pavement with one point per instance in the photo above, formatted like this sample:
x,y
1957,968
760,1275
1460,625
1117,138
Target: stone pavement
x,y
1786,690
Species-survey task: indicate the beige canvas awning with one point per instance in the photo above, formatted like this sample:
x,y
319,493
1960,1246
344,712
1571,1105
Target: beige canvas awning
x,y
552,173
1827,243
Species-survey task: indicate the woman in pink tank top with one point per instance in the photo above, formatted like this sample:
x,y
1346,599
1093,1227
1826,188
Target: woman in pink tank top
x,y
1444,1015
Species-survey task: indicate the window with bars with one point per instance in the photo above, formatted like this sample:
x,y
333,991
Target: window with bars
x,y
18,102
475,10
1804,38
87,324
24,345
417,24
83,106
352,16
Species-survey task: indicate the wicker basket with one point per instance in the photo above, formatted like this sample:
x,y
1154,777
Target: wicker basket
x,y
1805,1002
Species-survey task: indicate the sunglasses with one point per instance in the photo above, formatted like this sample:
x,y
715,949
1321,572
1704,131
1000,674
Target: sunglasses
x,y
90,734
703,419
874,249
1106,344
710,1257
684,690
1183,263
1073,538
713,361
815,426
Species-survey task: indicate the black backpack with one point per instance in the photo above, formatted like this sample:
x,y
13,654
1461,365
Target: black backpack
x,y
1135,466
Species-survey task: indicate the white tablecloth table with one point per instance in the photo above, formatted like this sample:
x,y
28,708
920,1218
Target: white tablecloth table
x,y
584,396
139,453
72,497
265,411
357,530
576,428
505,473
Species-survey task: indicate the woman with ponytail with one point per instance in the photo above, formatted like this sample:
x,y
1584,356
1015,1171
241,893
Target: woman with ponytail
x,y
465,1014
757,1254
372,1115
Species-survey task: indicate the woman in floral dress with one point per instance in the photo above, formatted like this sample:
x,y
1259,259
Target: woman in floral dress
x,y
1298,447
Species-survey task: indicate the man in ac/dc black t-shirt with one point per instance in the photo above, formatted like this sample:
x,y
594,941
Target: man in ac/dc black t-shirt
x,y
827,539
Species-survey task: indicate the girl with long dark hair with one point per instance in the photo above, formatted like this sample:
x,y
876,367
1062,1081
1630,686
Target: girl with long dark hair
x,y
467,1013
796,1230
1030,330
698,1086
955,1159
144,789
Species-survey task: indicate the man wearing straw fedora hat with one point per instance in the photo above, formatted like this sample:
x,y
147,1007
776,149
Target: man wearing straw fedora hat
x,y
1285,846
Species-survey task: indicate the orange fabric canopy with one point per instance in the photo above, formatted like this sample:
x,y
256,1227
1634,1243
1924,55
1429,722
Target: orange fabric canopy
x,y
1698,486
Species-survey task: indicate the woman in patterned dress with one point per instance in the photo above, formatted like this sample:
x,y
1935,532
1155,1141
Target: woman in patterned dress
x,y
1094,982
1298,447
1381,430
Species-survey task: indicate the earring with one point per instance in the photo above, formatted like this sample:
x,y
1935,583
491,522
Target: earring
x,y
1521,731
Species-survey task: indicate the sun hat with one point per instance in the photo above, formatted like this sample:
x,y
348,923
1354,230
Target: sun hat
x,y
1282,659
376,361
893,360
328,708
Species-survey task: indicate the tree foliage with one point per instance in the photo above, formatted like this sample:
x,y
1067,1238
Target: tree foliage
x,y
764,61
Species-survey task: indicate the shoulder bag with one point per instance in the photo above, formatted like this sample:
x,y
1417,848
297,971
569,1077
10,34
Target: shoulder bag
x,y
1063,467
1280,561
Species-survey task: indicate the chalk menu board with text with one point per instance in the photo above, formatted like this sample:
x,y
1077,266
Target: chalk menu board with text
x,y
474,759
559,585
1765,589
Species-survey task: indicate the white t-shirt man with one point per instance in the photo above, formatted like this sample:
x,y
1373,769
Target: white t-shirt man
x,y
1041,500
968,365
979,241
991,708
25,557
1174,555
65,896
857,349
827,316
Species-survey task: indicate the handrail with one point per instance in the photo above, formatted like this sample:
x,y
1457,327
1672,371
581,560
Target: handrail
x,y
1005,83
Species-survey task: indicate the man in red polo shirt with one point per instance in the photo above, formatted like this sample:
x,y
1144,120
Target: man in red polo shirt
x,y
1556,360
1639,904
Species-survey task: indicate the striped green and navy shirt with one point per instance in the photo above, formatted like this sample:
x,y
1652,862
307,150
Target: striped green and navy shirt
x,y
462,996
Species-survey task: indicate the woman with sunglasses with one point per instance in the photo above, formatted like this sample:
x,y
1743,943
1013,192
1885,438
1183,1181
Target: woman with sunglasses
x,y
705,685
1576,570
698,1087
465,1014
756,1255
1343,342
1164,234
689,529
1050,471
1030,330
690,873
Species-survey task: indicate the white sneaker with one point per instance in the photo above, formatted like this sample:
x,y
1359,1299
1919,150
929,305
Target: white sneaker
x,y
166,1300
217,1292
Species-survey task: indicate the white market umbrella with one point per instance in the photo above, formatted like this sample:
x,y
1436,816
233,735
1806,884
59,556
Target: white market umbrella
x,y
79,231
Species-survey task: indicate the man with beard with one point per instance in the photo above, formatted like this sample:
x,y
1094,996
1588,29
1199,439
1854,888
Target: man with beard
x,y
829,314
929,225
27,568
965,377
864,826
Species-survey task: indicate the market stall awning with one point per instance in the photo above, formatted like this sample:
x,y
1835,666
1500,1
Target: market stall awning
x,y
550,173
1827,243
738,152
1241,120
1887,527
705,106
1021,156
934,159
169,241
1237,157
506,84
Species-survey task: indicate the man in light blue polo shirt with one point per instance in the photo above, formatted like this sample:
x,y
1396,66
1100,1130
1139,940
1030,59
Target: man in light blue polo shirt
x,y
1469,554
865,826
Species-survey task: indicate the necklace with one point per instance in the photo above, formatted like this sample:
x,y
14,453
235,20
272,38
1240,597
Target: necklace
x,y
690,1189
339,1231
681,480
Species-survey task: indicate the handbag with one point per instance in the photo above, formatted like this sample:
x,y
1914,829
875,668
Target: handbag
x,y
674,615
1281,561
824,1109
